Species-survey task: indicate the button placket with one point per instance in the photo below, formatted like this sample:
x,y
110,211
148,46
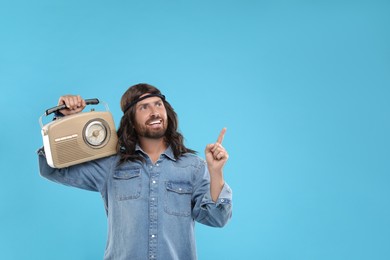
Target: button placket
x,y
153,211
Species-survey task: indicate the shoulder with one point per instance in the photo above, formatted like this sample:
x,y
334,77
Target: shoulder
x,y
190,160
108,160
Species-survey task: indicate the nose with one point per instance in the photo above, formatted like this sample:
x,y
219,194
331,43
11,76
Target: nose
x,y
154,112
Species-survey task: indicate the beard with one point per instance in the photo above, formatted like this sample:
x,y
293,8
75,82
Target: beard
x,y
149,132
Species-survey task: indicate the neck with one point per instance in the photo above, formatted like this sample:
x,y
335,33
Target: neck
x,y
153,147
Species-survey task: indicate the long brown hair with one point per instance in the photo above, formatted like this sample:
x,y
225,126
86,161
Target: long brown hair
x,y
127,135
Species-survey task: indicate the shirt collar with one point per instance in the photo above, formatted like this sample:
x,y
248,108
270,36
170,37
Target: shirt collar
x,y
168,152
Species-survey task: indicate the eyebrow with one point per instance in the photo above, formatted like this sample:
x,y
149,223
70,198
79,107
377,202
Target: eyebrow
x,y
148,103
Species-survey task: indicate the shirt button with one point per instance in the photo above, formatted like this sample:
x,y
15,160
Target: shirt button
x,y
222,200
153,236
157,164
154,182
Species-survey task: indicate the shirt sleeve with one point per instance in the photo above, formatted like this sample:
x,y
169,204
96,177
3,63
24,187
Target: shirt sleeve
x,y
205,210
89,175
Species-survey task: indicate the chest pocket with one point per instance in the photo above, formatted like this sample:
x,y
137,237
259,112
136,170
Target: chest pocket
x,y
127,183
178,198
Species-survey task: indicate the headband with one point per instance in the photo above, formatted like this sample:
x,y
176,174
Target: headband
x,y
142,98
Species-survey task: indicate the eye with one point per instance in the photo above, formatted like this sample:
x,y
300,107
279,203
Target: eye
x,y
159,104
143,107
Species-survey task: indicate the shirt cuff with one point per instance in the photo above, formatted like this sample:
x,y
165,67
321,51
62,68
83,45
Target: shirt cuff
x,y
225,197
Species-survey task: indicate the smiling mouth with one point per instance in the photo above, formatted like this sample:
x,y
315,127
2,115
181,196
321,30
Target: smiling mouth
x,y
155,122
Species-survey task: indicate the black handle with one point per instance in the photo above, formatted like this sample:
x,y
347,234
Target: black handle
x,y
91,101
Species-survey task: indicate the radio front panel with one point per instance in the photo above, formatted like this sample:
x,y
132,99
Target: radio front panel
x,y
79,138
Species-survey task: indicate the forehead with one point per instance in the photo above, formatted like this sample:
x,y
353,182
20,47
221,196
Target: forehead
x,y
148,100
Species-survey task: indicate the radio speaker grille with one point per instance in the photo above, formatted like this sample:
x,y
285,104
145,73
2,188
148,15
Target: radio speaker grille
x,y
69,151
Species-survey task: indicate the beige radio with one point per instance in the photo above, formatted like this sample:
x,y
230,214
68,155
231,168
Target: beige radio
x,y
80,137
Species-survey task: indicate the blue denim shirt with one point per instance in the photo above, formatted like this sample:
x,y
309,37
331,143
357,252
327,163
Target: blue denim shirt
x,y
151,208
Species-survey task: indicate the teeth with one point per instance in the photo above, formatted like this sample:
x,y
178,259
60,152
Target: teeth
x,y
155,122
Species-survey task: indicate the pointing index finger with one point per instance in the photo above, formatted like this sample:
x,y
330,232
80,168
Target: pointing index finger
x,y
221,135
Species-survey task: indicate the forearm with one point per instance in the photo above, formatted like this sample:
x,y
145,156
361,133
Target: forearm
x,y
212,197
216,184
214,212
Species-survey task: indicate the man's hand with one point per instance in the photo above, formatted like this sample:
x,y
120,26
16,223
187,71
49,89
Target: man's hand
x,y
216,155
74,104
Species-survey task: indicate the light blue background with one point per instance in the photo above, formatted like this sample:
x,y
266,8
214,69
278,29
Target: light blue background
x,y
302,86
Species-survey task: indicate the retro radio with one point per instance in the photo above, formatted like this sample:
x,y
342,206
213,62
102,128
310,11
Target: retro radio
x,y
78,138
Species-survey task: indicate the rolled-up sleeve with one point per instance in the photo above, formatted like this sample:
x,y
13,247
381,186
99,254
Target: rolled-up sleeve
x,y
205,210
89,176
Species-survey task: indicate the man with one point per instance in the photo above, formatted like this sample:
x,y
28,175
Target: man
x,y
155,188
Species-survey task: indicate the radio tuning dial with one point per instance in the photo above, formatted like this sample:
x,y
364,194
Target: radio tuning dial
x,y
95,133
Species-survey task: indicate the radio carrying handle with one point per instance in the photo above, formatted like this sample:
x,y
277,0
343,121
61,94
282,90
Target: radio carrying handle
x,y
91,101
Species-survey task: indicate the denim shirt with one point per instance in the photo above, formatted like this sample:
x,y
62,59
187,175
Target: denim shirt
x,y
151,208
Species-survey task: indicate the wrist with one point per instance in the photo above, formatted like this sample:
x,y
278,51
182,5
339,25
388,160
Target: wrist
x,y
217,177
